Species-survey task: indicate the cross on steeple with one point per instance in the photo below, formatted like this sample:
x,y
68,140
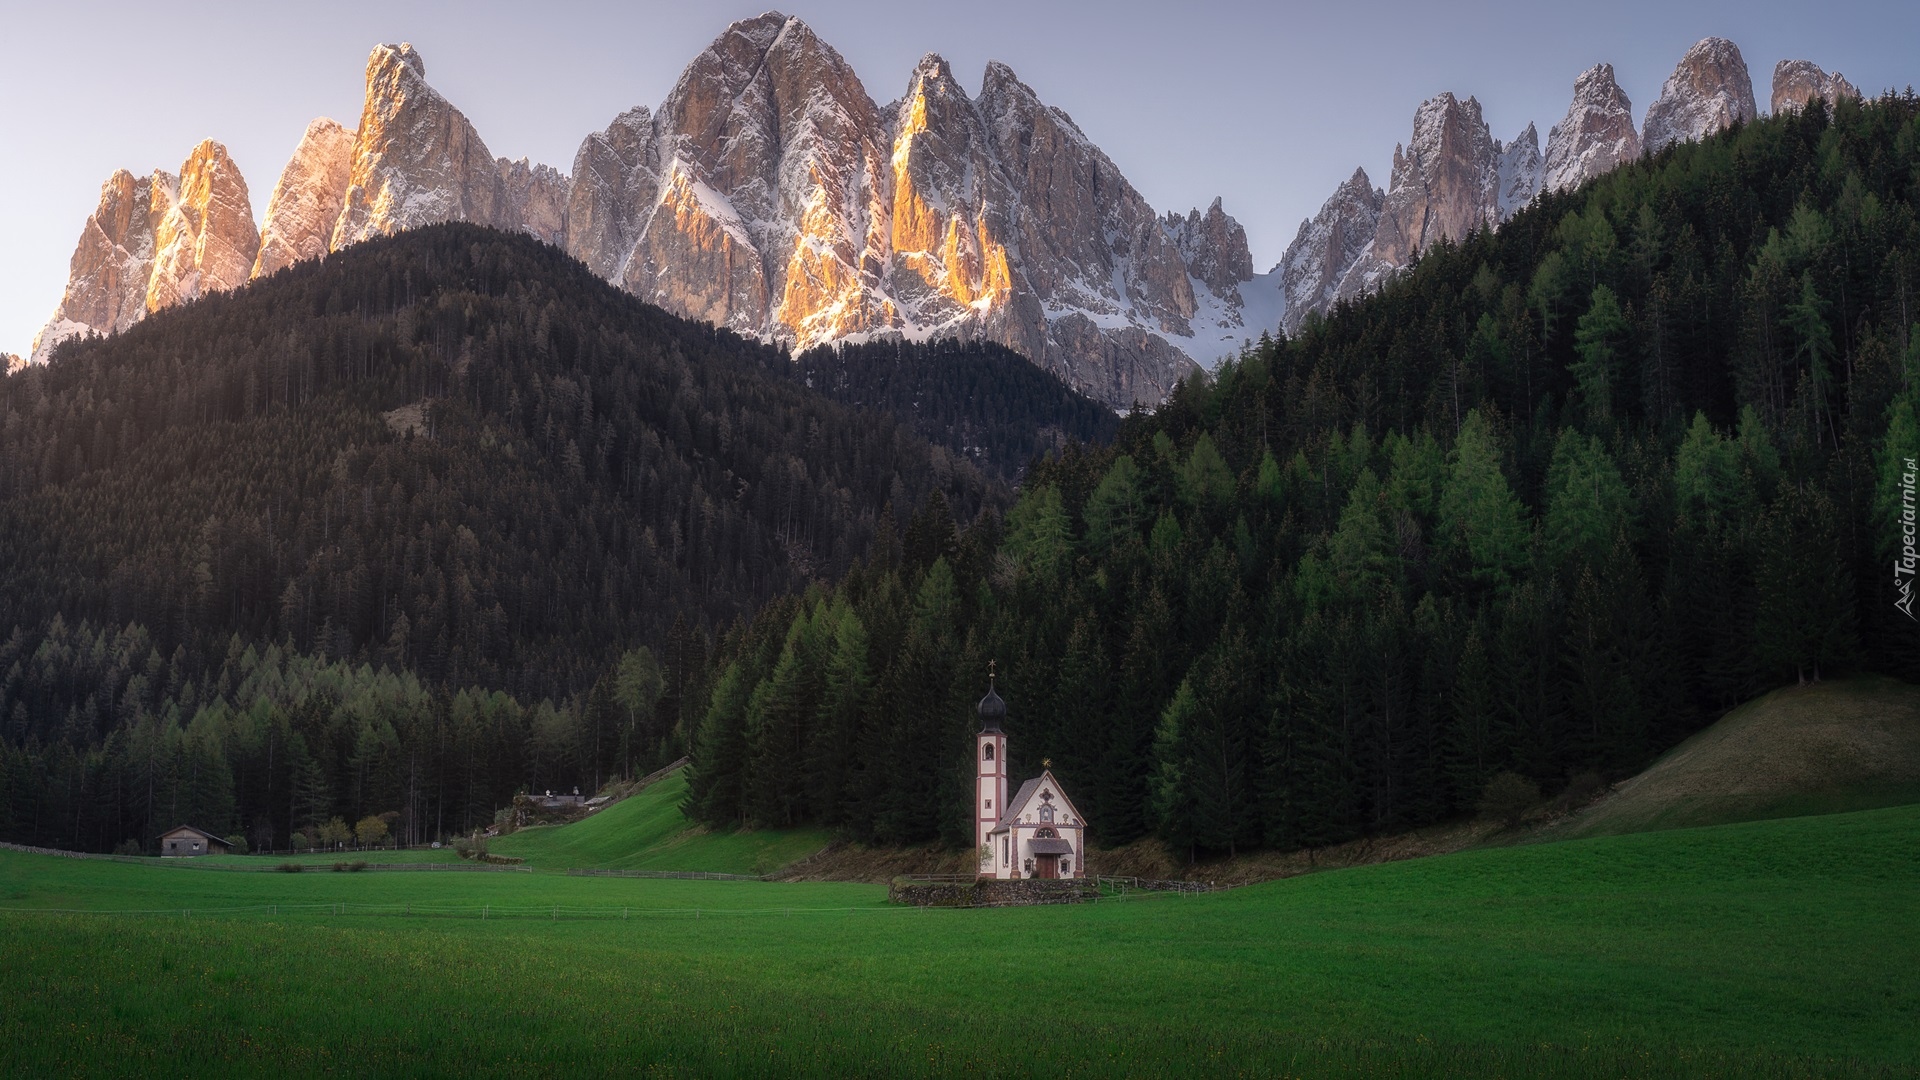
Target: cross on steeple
x,y
990,664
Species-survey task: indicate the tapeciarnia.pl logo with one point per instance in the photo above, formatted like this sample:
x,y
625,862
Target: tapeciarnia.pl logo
x,y
1903,567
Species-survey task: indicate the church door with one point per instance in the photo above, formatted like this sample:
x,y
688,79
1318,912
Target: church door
x,y
1049,866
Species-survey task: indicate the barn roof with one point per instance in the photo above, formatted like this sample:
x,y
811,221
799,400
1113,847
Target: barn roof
x,y
197,832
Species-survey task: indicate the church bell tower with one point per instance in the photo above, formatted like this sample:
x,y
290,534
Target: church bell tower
x,y
990,763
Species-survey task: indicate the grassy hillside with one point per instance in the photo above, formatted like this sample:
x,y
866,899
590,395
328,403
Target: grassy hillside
x,y
1683,952
1832,746
647,832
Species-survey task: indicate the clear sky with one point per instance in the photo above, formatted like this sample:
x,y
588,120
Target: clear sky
x,y
1269,105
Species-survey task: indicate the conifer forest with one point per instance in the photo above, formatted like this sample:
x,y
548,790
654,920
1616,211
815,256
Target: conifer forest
x,y
444,517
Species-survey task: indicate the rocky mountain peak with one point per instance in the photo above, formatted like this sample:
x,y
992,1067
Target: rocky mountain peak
x,y
771,150
1519,172
1709,90
416,159
153,242
207,241
615,183
113,262
1214,247
1597,134
1327,245
306,200
1796,82
766,193
1446,183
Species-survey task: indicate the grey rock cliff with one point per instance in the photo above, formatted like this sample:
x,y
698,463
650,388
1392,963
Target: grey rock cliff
x,y
1708,91
1595,136
1327,246
1796,82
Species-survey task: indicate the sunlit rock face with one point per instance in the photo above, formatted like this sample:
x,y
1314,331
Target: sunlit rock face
x,y
306,201
154,242
1796,82
952,214
206,242
113,262
416,159
1708,91
1597,134
774,166
769,194
1327,246
1009,224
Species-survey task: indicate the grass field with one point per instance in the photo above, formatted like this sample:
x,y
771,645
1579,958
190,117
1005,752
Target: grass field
x,y
647,832
1778,948
642,832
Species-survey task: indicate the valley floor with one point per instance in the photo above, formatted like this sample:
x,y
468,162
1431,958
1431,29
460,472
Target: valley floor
x,y
1778,948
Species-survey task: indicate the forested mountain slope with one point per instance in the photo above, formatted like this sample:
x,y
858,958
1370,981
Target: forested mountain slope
x,y
328,503
457,449
1550,502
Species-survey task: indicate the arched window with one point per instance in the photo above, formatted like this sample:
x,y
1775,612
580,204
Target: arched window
x,y
1046,812
987,754
1045,834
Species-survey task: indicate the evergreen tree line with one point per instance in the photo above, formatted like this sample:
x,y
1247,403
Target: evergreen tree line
x,y
1555,499
107,741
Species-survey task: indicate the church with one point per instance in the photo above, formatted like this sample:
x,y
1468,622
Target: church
x,y
1038,833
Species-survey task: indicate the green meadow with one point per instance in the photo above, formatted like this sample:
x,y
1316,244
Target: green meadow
x,y
648,832
1778,948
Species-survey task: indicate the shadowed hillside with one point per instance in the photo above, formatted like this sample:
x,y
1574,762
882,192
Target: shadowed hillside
x,y
1825,748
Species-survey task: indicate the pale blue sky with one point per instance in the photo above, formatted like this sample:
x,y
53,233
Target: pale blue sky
x,y
1269,105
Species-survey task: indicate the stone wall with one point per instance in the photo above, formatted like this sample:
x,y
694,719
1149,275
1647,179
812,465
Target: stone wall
x,y
1016,892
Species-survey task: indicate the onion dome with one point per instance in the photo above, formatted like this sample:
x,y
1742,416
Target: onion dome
x,y
992,710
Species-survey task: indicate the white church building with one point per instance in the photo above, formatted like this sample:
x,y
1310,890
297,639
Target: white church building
x,y
1038,833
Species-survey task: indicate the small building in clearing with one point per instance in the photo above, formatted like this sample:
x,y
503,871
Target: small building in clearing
x,y
185,840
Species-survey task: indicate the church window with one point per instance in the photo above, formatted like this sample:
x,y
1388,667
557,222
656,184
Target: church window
x,y
989,804
1046,813
987,754
1005,854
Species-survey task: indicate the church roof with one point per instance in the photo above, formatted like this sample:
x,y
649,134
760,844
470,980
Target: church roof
x,y
992,710
1009,814
1019,800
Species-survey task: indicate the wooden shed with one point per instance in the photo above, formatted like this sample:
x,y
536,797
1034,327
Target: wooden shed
x,y
186,840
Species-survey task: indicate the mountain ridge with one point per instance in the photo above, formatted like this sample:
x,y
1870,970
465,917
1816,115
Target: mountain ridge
x,y
769,192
